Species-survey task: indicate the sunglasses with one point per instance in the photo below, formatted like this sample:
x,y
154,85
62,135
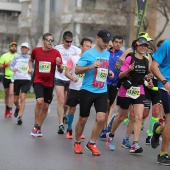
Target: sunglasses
x,y
68,41
13,43
49,40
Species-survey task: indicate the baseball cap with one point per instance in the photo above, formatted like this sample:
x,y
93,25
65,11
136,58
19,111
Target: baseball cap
x,y
25,44
145,35
141,41
12,43
104,35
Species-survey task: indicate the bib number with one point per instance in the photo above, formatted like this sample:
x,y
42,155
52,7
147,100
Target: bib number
x,y
44,67
80,76
101,74
133,92
23,68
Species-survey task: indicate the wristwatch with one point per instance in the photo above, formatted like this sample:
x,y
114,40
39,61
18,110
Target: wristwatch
x,y
164,82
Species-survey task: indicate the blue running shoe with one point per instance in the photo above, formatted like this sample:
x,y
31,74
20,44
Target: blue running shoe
x,y
110,142
103,133
126,143
148,140
109,126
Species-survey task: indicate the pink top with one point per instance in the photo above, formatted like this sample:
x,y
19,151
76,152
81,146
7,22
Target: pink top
x,y
125,66
70,63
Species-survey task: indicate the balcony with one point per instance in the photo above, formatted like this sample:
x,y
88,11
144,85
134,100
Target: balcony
x,y
10,6
94,18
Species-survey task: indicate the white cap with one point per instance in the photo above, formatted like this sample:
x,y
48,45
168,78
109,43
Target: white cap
x,y
25,44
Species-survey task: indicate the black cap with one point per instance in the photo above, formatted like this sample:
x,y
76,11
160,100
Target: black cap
x,y
104,35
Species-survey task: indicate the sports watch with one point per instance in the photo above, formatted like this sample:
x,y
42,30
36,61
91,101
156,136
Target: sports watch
x,y
164,82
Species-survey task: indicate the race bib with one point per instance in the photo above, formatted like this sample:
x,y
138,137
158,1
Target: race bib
x,y
80,76
133,92
44,67
101,74
23,68
64,66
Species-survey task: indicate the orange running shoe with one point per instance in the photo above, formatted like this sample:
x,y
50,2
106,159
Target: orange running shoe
x,y
82,137
93,149
78,148
69,134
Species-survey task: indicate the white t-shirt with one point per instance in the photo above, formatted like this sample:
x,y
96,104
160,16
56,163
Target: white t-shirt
x,y
65,54
72,65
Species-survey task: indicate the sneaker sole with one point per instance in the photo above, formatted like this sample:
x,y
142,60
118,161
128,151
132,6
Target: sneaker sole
x,y
33,135
137,151
163,163
123,146
91,151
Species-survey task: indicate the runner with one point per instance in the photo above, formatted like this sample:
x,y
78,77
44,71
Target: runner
x,y
115,54
161,68
5,60
22,80
133,70
66,50
94,63
75,84
46,58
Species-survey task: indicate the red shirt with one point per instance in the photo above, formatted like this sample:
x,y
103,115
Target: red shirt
x,y
45,65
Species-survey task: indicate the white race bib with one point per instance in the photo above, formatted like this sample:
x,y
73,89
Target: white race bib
x,y
101,74
23,68
44,67
133,92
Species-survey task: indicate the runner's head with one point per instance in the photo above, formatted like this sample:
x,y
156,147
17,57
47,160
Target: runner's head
x,y
85,44
67,39
103,38
13,47
117,42
25,48
141,45
48,40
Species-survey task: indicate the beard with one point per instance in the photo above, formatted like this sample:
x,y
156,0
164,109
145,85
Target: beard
x,y
12,51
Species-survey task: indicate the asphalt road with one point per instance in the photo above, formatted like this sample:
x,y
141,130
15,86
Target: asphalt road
x,y
20,151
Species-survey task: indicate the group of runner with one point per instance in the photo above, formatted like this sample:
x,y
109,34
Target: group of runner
x,y
93,75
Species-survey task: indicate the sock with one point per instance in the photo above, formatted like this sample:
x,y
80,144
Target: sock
x,y
111,135
152,121
61,124
77,141
92,142
163,153
158,131
38,127
6,107
70,120
135,142
126,137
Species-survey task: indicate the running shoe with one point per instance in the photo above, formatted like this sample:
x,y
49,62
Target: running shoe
x,y
155,137
82,137
103,133
77,148
36,132
8,113
126,143
93,149
61,129
135,148
65,119
16,112
148,140
126,121
69,134
164,160
109,126
110,142
19,121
